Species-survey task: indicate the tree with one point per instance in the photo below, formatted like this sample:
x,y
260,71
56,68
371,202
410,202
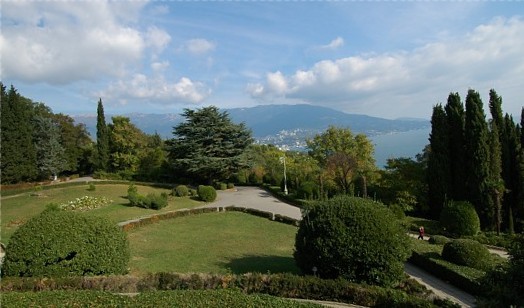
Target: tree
x,y
127,143
208,145
455,122
477,158
514,171
18,161
495,182
102,138
343,157
49,152
438,162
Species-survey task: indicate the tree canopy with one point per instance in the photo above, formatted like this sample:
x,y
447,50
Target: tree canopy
x,y
208,145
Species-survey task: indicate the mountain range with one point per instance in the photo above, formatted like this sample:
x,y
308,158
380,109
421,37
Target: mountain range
x,y
270,121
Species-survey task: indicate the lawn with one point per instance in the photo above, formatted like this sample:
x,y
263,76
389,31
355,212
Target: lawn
x,y
16,210
226,242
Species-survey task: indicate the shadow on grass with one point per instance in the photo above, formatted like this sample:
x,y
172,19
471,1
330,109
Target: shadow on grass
x,y
261,264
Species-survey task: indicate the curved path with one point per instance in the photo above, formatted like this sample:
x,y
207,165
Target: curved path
x,y
259,199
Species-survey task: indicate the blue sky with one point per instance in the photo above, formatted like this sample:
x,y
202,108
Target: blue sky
x,y
386,59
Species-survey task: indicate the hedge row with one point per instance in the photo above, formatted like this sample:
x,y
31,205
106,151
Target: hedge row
x,y
280,285
193,298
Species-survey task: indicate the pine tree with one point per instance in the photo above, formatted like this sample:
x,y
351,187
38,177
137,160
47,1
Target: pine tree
x,y
477,157
18,161
456,151
102,138
49,151
438,162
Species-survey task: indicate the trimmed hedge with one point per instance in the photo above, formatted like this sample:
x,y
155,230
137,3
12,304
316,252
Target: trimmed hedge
x,y
281,285
207,193
438,240
65,243
468,253
352,238
181,191
460,218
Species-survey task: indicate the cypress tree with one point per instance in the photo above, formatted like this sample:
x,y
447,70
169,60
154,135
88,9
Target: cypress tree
x,y
496,184
513,179
18,161
477,157
102,138
438,162
455,121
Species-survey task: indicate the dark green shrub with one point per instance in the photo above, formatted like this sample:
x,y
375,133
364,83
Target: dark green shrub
x,y
438,240
397,211
222,186
307,190
132,189
65,243
156,201
460,218
181,191
207,193
193,192
91,187
230,185
467,252
352,238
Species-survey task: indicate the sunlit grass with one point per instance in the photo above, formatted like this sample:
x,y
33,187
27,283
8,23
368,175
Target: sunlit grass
x,y
16,210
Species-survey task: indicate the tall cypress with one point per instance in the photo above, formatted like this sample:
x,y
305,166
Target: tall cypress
x,y
18,161
438,174
477,157
513,178
456,151
102,138
495,183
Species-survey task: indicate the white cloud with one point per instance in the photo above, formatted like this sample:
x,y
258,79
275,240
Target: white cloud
x,y
155,89
62,42
157,39
334,44
199,46
489,56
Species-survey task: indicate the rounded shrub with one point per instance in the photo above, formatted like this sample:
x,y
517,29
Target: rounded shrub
x,y
439,240
181,191
467,252
230,185
222,186
59,243
207,193
460,218
352,238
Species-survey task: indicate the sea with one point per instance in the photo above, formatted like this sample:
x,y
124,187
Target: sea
x,y
399,144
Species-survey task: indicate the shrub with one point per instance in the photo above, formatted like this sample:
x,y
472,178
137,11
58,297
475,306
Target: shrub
x,y
397,211
353,238
460,218
230,185
307,190
193,192
438,240
467,252
91,187
207,193
222,186
64,243
181,191
132,189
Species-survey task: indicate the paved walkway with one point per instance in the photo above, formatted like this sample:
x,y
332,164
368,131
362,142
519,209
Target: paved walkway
x,y
257,198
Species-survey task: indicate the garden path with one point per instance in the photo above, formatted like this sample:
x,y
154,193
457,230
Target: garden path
x,y
259,199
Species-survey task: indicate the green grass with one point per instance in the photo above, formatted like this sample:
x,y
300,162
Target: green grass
x,y
16,210
226,242
188,298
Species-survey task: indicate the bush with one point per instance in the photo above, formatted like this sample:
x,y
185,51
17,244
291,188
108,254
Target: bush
x,y
132,189
157,202
397,211
460,218
181,191
230,185
307,190
65,243
467,252
207,193
438,240
91,187
352,238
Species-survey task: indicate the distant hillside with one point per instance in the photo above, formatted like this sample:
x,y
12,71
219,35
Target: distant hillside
x,y
270,121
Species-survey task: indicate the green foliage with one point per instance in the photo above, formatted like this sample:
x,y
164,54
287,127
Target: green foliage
x,y
64,243
455,130
91,187
132,189
460,218
102,139
230,185
151,201
353,238
307,190
397,211
181,191
467,252
50,155
438,162
208,145
207,193
127,145
439,240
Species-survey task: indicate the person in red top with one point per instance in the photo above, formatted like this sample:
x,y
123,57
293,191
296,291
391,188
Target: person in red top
x,y
421,233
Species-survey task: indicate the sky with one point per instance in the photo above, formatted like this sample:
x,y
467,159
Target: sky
x,y
387,59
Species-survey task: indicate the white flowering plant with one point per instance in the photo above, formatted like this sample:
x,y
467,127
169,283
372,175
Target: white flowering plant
x,y
85,203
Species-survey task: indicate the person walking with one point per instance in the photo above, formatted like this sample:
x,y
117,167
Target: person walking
x,y
421,233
